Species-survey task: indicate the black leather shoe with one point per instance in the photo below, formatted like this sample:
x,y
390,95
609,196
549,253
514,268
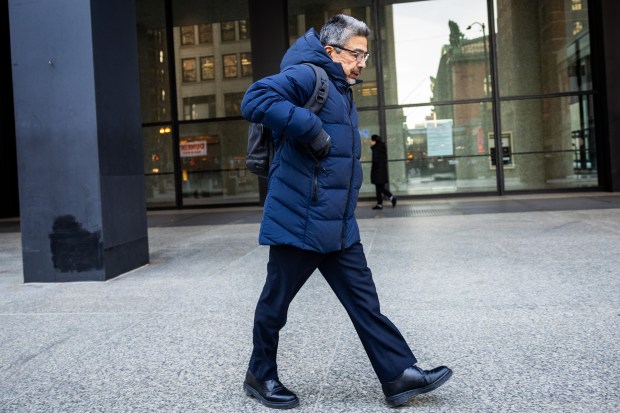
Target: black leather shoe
x,y
393,199
271,393
378,207
412,382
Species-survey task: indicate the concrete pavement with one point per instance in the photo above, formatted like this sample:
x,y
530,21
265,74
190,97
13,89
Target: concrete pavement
x,y
519,295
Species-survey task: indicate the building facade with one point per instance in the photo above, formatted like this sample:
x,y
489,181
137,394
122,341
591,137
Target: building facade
x,y
476,97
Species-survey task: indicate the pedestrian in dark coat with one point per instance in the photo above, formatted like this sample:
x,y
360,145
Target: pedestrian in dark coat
x,y
379,171
309,215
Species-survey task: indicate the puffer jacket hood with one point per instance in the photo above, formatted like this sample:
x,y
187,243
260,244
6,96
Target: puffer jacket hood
x,y
308,49
310,204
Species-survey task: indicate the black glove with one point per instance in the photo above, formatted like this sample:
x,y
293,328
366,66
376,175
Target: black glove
x,y
321,145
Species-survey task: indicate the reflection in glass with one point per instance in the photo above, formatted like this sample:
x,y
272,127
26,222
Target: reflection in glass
x,y
187,35
244,29
205,33
158,166
189,70
228,31
232,103
543,47
437,149
213,164
435,51
207,68
153,62
198,107
230,65
246,64
552,143
221,54
208,40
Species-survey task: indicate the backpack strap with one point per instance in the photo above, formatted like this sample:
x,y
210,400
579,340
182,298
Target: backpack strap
x,y
321,89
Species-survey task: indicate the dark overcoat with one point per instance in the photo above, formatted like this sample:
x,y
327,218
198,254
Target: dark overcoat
x,y
379,168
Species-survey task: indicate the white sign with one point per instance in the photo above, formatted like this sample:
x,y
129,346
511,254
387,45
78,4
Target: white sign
x,y
439,138
194,148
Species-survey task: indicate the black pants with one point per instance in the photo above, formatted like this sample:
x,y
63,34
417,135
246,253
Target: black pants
x,y
381,190
351,280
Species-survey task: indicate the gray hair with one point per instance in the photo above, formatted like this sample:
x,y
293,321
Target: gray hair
x,y
340,28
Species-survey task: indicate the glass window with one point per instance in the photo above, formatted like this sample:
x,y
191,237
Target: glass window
x,y
153,62
158,166
228,31
207,68
205,33
434,55
232,103
366,93
543,47
216,62
199,107
435,51
440,149
246,64
551,143
189,70
294,28
244,29
213,164
230,65
187,35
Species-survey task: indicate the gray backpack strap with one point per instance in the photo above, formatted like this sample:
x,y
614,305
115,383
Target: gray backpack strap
x,y
321,89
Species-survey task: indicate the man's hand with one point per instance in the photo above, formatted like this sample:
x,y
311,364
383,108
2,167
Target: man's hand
x,y
321,145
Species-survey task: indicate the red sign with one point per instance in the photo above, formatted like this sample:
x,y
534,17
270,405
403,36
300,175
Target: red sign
x,y
192,149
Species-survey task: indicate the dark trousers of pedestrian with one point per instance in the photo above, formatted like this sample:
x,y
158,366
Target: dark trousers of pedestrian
x,y
349,277
380,191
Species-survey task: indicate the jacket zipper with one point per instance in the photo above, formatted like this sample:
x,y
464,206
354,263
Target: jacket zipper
x,y
315,182
315,177
346,208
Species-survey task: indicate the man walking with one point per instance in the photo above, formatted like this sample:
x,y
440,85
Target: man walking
x,y
379,171
308,219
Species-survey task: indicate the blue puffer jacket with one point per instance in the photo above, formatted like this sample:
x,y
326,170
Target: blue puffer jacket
x,y
309,205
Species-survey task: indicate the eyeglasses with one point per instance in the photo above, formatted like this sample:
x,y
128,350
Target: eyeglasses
x,y
359,56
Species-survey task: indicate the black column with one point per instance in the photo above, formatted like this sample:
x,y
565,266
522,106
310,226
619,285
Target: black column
x,y
268,36
610,14
9,207
79,151
269,40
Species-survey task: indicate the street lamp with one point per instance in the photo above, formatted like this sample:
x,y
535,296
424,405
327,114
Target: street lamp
x,y
486,56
